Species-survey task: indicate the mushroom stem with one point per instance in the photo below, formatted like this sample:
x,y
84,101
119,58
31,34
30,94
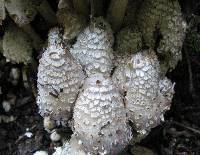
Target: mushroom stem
x,y
1,45
116,13
96,8
2,11
47,13
65,4
82,7
37,41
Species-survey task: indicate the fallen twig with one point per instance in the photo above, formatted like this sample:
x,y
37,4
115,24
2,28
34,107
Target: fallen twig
x,y
186,127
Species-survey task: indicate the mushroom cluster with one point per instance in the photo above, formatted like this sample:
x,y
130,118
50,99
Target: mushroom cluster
x,y
84,84
103,68
103,88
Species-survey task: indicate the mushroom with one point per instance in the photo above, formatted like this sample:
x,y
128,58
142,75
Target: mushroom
x,y
93,48
59,80
16,45
23,12
147,94
162,25
100,122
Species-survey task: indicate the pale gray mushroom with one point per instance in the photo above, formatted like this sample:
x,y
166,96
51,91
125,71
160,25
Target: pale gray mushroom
x,y
163,17
59,80
93,48
173,32
100,117
17,46
147,95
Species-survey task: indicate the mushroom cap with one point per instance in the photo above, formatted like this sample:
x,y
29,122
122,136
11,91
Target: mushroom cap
x,y
17,46
59,79
100,117
93,48
162,20
144,90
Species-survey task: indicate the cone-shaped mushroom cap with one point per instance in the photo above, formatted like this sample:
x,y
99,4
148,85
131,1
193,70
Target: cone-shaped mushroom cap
x,y
17,45
147,95
137,68
164,18
59,79
93,48
100,117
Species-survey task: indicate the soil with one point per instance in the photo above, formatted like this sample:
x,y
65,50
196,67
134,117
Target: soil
x,y
179,134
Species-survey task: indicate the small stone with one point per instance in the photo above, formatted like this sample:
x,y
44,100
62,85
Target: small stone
x,y
28,134
139,150
40,153
14,75
6,105
55,136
